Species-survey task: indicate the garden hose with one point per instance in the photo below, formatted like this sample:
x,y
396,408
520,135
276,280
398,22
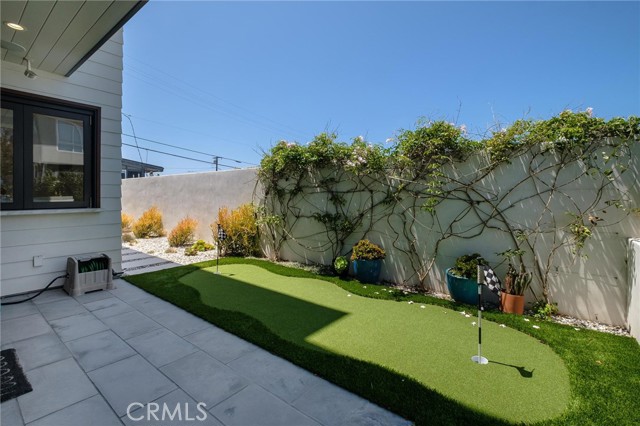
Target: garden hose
x,y
37,294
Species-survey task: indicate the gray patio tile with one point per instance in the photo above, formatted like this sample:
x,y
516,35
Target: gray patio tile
x,y
10,413
257,407
180,322
16,311
278,376
221,345
161,346
129,381
23,328
93,296
77,326
155,268
373,415
39,350
130,324
329,403
51,295
55,386
152,306
188,409
128,292
61,308
204,378
99,349
93,411
108,307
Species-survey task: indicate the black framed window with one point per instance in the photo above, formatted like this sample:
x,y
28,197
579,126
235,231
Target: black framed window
x,y
49,153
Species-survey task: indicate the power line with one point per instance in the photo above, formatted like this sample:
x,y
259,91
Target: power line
x,y
179,156
190,150
201,90
180,93
134,136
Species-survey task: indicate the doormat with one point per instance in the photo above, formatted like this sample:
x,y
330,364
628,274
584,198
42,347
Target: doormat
x,y
13,381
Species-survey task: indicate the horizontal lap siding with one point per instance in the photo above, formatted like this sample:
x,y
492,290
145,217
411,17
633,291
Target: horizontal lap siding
x,y
57,236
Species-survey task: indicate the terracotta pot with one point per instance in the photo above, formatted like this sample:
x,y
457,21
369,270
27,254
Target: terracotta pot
x,y
511,303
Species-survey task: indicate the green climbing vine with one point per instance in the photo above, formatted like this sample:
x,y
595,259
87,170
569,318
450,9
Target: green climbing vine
x,y
435,184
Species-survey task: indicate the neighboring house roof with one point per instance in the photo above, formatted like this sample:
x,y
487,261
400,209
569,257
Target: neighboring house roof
x,y
136,166
61,35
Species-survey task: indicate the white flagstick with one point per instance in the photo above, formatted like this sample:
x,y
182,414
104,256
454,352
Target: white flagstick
x,y
479,359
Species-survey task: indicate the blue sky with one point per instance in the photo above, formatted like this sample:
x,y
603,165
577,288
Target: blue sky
x,y
232,79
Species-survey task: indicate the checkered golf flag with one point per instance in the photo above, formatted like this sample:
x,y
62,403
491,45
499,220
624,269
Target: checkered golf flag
x,y
221,234
491,280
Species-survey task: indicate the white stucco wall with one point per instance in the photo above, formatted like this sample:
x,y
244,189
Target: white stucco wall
x,y
598,287
198,195
59,234
633,318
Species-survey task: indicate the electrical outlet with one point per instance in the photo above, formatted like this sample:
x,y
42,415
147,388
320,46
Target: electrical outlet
x,y
38,261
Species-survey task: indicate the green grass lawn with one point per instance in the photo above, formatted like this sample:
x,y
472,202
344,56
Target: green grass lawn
x,y
414,360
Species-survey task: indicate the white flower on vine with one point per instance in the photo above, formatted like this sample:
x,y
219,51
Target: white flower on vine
x,y
589,111
546,146
463,129
389,140
360,138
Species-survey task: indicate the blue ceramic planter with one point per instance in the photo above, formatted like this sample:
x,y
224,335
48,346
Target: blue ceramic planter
x,y
463,290
367,271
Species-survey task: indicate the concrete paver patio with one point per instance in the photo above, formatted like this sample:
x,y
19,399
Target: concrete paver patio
x,y
88,358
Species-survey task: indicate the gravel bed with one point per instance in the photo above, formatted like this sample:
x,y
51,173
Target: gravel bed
x,y
158,247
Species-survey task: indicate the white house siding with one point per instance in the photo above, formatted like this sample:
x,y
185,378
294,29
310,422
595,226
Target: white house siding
x,y
59,234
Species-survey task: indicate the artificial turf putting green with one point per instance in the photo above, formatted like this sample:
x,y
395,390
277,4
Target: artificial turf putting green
x,y
525,380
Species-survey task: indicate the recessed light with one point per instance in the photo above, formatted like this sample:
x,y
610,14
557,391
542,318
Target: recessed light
x,y
14,26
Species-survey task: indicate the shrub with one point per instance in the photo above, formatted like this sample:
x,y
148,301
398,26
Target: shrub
x,y
241,229
125,222
467,266
128,238
149,224
183,233
366,250
197,247
340,265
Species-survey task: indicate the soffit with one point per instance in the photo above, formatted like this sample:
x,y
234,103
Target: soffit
x,y
61,35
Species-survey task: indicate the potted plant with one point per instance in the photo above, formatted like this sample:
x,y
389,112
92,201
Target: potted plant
x,y
516,283
367,261
461,279
341,265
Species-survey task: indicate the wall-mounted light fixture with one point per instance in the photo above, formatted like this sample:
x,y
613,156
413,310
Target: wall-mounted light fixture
x,y
29,73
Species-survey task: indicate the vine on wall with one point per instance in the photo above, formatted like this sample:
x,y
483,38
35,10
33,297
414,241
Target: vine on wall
x,y
438,181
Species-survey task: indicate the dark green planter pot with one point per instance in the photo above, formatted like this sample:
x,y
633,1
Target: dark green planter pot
x,y
367,271
463,290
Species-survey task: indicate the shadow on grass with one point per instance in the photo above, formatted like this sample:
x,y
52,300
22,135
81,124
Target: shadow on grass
x,y
522,370
394,391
